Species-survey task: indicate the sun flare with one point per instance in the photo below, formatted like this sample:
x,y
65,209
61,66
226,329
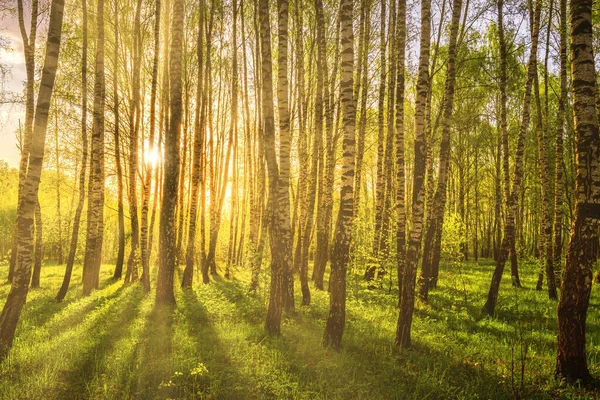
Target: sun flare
x,y
152,157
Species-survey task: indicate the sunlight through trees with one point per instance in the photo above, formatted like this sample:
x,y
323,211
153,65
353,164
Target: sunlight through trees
x,y
326,162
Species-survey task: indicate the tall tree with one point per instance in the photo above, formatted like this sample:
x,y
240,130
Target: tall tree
x,y
144,242
542,129
317,151
84,156
560,130
283,183
168,249
279,225
407,299
503,81
233,132
303,144
336,319
205,119
218,166
512,201
432,245
22,273
29,53
388,158
582,253
258,220
325,200
380,179
361,90
118,164
400,162
197,167
135,116
95,228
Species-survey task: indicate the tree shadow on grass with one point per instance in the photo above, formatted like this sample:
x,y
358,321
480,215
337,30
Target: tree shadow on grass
x,y
57,341
249,305
447,308
111,321
153,355
43,309
221,378
368,366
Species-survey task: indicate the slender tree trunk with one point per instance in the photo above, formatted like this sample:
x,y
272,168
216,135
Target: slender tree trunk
x,y
197,167
84,156
233,130
316,151
360,94
120,208
400,163
94,237
311,190
217,186
407,300
135,117
325,203
163,121
279,224
336,320
144,243
439,199
180,211
204,156
249,179
283,207
29,53
388,161
168,249
218,193
505,150
22,273
303,143
257,166
546,258
571,360
476,189
38,253
512,201
380,183
559,157
431,131
498,183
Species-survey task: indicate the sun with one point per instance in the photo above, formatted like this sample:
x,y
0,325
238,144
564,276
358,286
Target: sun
x,y
152,157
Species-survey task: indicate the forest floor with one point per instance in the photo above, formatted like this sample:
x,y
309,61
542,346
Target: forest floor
x,y
115,344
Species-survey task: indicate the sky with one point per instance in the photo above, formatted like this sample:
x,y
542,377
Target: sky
x,y
11,113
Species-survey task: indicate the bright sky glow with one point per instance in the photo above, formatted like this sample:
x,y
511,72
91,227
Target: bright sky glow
x,y
152,157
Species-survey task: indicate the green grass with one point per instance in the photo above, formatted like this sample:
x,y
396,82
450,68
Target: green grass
x,y
116,344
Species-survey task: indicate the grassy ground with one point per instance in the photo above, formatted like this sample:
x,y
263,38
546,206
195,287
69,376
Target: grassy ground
x,y
116,344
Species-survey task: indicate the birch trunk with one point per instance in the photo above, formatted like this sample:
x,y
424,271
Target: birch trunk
x,y
407,300
167,239
336,319
508,240
95,228
20,284
571,361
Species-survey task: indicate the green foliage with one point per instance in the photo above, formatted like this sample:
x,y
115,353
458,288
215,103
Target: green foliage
x,y
117,344
453,236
